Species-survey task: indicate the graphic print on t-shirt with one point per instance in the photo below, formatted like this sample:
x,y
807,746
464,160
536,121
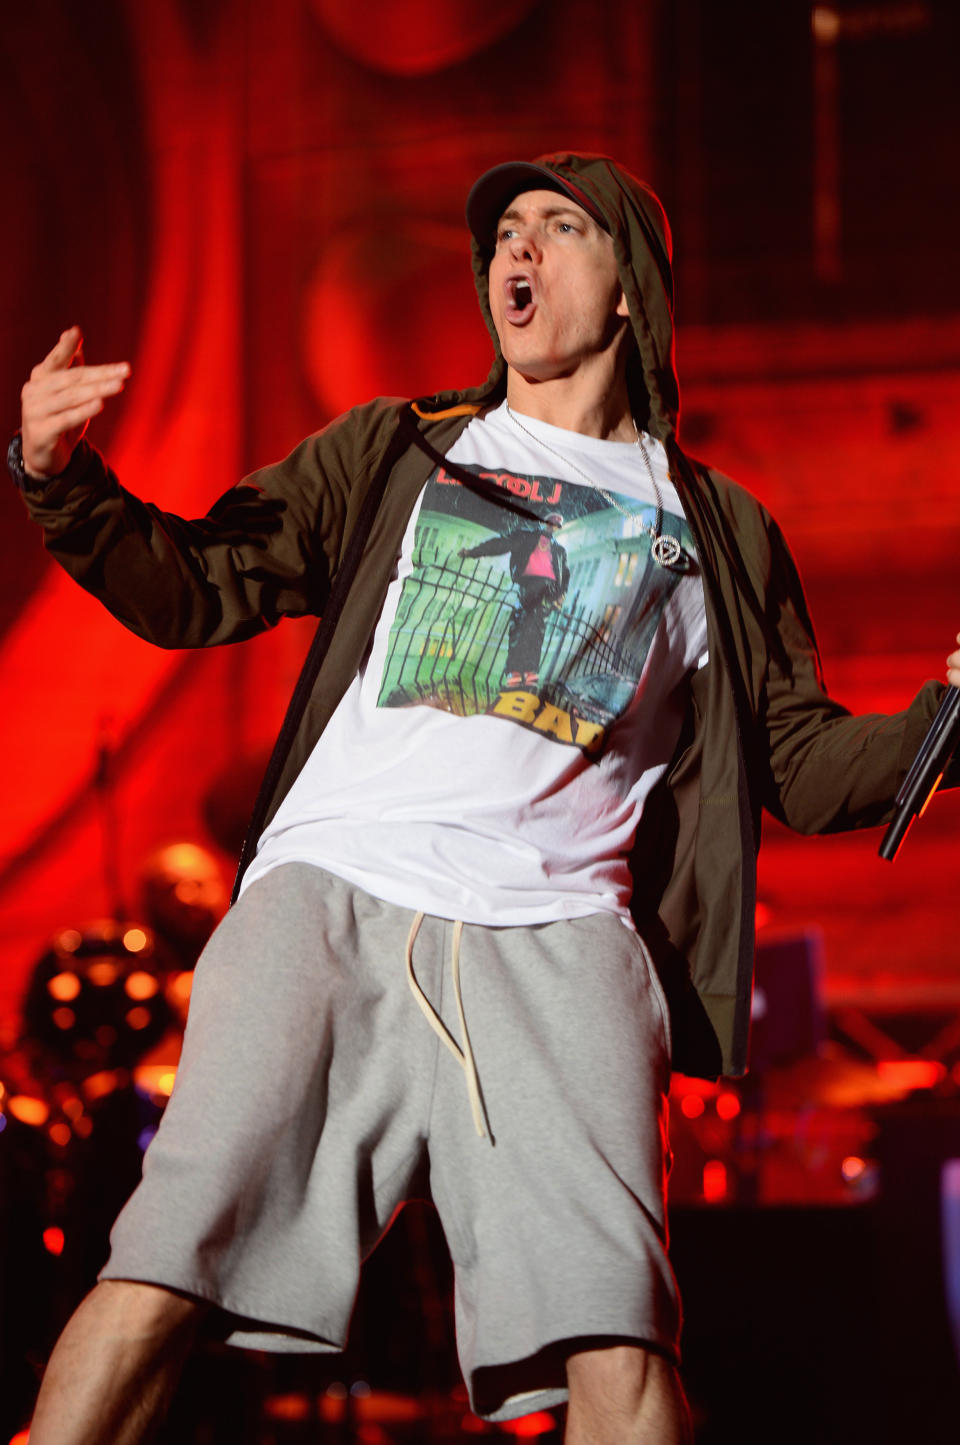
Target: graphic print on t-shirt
x,y
543,623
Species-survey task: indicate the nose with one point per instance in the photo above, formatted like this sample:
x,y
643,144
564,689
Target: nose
x,y
524,245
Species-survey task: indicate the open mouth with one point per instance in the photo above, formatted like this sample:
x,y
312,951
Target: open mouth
x,y
520,302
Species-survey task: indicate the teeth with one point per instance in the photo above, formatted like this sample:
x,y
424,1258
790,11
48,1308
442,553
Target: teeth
x,y
522,295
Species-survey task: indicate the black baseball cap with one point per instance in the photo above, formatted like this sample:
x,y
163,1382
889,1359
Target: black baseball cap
x,y
496,188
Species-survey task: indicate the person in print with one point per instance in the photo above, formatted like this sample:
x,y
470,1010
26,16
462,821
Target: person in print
x,y
539,571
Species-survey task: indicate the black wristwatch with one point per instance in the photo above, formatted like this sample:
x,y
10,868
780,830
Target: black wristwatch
x,y
15,467
15,462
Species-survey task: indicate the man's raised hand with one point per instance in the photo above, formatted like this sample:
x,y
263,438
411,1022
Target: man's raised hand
x,y
59,400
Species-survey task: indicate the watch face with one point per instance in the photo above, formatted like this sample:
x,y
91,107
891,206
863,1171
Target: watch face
x,y
15,459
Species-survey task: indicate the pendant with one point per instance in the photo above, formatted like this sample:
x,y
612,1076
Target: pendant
x,y
666,550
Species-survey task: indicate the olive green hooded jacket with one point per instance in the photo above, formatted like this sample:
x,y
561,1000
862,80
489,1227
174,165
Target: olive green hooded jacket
x,y
320,532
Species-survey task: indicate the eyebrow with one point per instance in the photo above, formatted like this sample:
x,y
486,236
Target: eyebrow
x,y
512,214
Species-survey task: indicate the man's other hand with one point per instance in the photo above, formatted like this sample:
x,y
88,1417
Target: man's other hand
x,y
59,400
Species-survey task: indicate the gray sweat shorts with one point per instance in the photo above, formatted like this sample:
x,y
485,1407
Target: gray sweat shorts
x,y
313,1098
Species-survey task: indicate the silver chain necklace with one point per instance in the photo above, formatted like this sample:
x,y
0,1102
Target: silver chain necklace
x,y
666,550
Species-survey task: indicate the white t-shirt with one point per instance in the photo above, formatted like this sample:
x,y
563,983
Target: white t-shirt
x,y
523,691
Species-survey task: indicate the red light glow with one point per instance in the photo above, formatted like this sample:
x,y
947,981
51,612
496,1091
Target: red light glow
x,y
98,1086
141,985
53,1244
907,1074
28,1110
180,986
292,1407
527,1427
63,987
728,1105
691,1106
102,974
714,1181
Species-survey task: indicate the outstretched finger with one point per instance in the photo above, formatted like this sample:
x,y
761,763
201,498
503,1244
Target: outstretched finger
x,y
59,357
51,403
55,384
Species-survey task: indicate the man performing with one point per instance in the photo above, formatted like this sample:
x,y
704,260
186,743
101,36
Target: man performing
x,y
468,943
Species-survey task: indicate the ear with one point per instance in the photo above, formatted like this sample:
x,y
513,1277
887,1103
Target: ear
x,y
622,308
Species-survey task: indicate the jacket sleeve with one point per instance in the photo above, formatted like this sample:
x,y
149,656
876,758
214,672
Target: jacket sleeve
x,y
825,769
492,547
265,550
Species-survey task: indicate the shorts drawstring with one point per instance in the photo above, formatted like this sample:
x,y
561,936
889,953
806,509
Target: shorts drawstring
x,y
463,1056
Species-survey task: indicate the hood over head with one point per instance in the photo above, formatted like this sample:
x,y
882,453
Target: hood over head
x,y
629,210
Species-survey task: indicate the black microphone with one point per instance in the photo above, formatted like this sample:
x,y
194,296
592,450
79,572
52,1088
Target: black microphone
x,y
926,770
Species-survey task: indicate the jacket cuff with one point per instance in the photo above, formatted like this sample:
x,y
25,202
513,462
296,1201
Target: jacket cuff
x,y
919,715
84,459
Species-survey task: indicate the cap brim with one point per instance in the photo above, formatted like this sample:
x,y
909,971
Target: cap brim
x,y
496,188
